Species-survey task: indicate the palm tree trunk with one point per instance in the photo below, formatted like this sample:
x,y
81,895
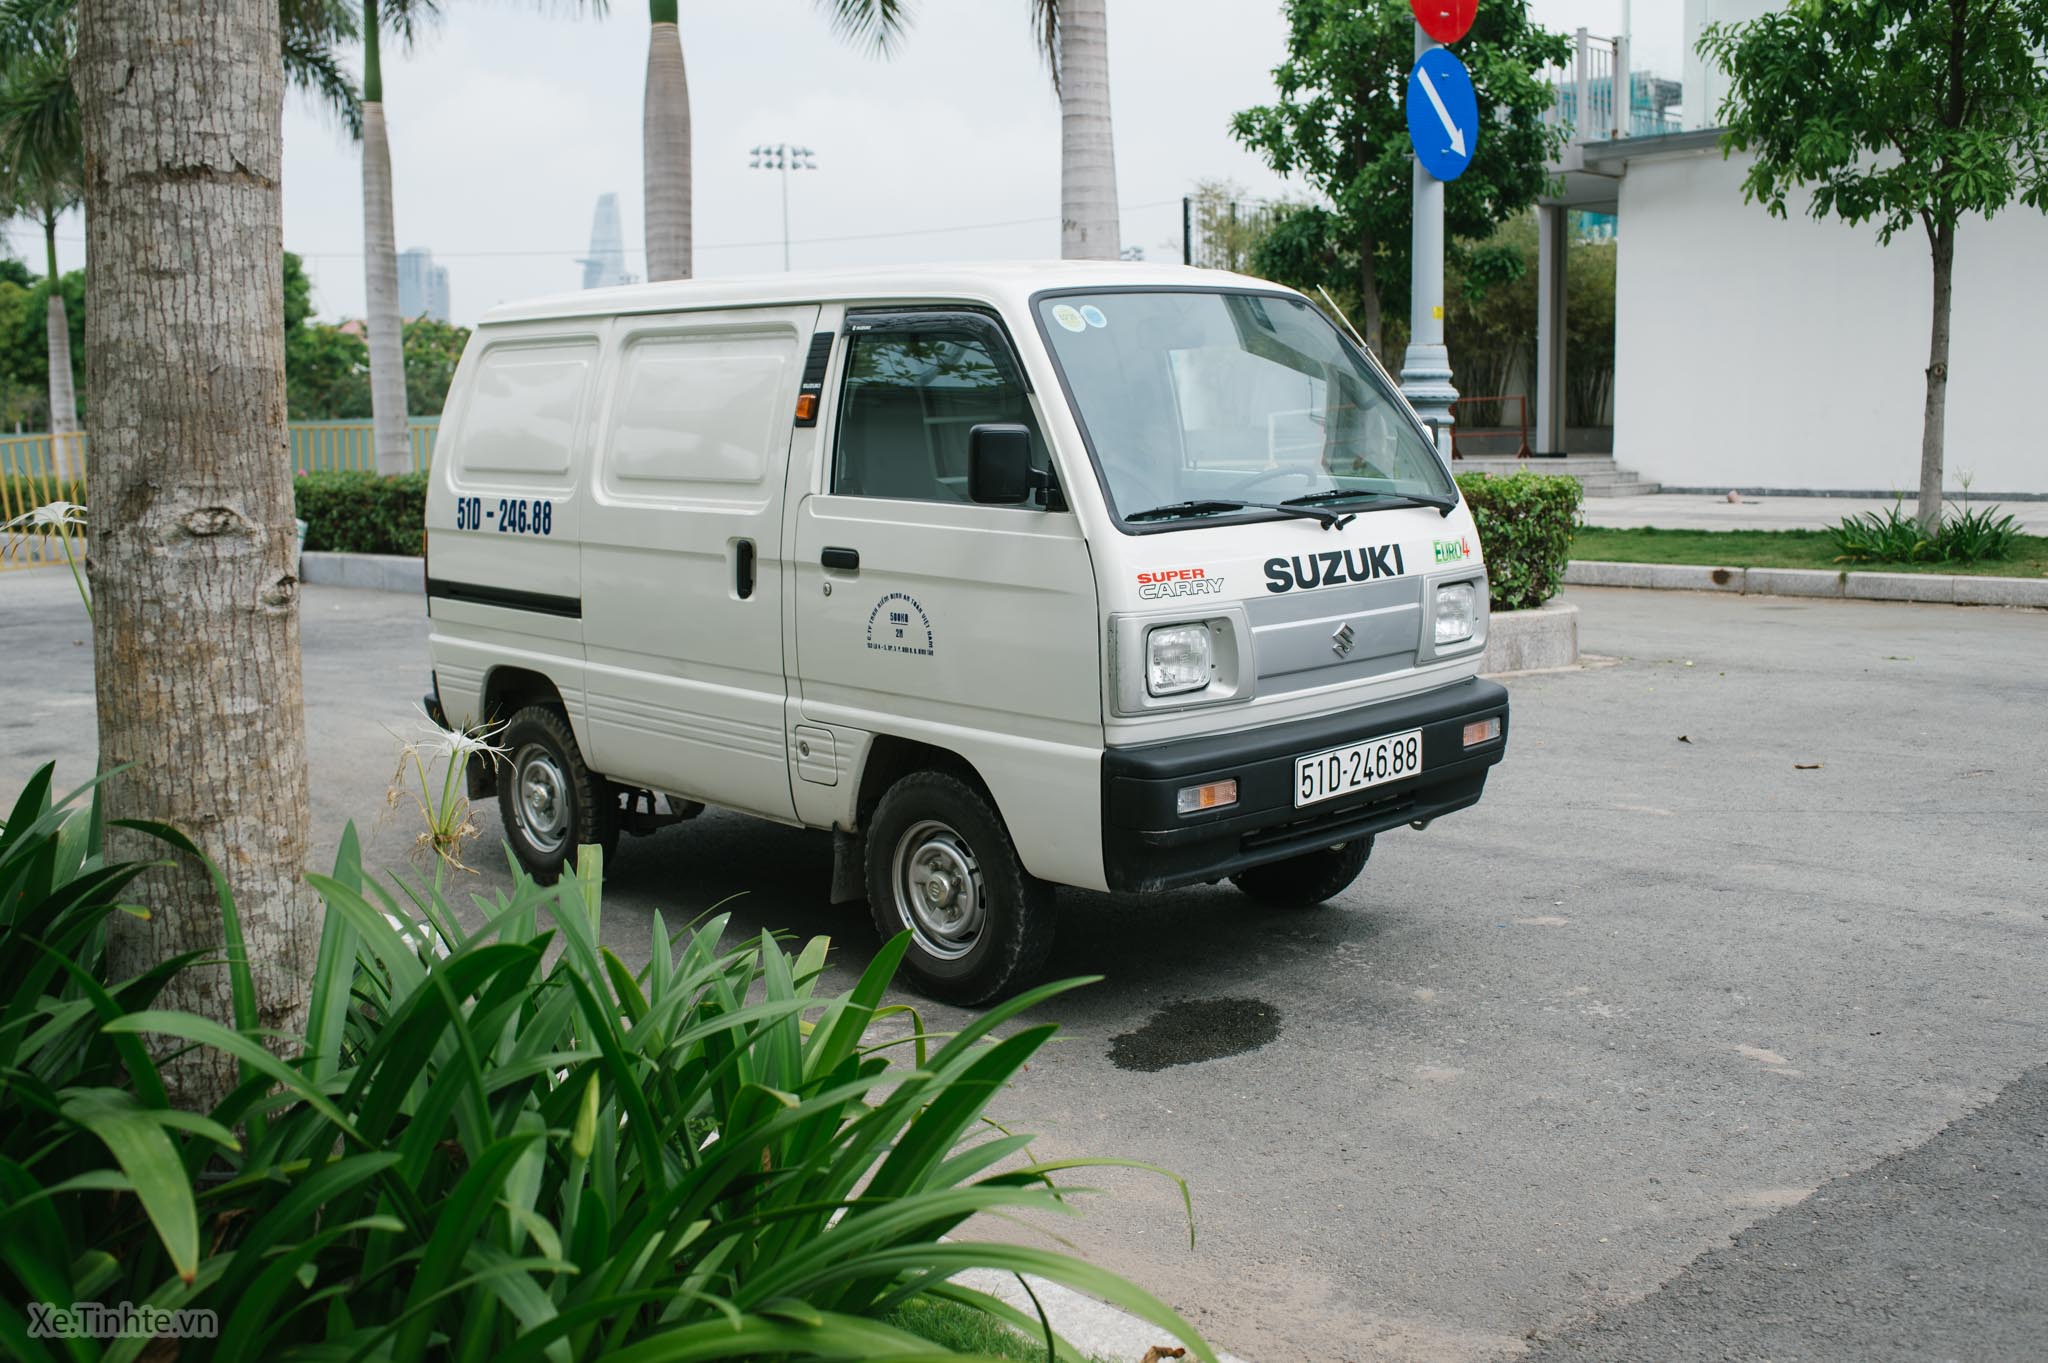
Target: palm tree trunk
x,y
665,148
385,331
1089,229
1943,241
196,605
65,460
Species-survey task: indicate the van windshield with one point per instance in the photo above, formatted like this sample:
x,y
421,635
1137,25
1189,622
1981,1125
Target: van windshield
x,y
1198,404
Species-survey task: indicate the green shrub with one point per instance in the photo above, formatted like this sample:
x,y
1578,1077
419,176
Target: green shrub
x,y
1891,536
362,513
498,1142
1526,522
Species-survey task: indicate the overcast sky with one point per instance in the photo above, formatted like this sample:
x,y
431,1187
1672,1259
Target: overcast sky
x,y
506,125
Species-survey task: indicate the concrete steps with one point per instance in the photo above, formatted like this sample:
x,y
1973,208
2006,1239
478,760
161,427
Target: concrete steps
x,y
1597,473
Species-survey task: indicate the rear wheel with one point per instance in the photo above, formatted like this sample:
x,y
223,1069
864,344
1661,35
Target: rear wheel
x,y
941,864
1307,880
549,798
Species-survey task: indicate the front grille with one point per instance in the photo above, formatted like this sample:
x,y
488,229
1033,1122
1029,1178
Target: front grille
x,y
1335,634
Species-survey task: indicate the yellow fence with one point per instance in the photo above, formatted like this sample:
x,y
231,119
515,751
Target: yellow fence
x,y
37,470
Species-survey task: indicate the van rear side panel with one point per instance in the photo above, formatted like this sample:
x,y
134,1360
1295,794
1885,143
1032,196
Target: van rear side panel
x,y
504,576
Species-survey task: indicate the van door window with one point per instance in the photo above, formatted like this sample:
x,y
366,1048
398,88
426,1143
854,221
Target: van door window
x,y
914,388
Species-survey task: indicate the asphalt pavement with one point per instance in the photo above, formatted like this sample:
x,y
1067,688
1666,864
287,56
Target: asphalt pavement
x,y
1688,1042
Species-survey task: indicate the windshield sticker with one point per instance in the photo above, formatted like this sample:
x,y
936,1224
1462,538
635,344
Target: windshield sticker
x,y
1066,316
1334,567
1451,551
1173,582
1092,315
898,624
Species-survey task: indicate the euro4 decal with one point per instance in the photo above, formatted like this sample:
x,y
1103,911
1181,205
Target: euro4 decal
x,y
1327,569
1452,551
1171,582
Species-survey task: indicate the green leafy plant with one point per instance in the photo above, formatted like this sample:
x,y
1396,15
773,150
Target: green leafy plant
x,y
362,513
1971,535
521,1150
1526,522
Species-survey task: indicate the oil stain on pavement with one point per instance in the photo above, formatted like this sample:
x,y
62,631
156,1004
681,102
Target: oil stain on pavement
x,y
1195,1030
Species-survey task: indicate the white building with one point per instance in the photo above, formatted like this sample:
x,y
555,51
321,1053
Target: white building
x,y
1785,354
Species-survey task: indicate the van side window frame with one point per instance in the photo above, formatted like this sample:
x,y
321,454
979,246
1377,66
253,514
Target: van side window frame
x,y
984,324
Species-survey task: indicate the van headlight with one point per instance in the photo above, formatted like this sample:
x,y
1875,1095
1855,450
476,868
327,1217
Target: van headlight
x,y
1178,659
1457,612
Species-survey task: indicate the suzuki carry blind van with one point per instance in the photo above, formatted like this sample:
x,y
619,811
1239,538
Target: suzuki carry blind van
x,y
1115,576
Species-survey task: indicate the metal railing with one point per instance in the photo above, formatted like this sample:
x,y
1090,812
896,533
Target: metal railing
x,y
1585,91
1494,406
36,470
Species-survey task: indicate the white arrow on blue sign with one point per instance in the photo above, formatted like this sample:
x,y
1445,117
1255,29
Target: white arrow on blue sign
x,y
1443,114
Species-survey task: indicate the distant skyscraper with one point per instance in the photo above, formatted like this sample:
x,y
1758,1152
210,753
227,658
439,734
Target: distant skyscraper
x,y
606,263
422,286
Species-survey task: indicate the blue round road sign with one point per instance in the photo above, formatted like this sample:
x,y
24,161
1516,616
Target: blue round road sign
x,y
1443,114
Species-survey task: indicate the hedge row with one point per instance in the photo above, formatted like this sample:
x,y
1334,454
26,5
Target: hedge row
x,y
363,513
1526,523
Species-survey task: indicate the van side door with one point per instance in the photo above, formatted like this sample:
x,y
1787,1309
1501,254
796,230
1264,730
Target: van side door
x,y
683,555
927,616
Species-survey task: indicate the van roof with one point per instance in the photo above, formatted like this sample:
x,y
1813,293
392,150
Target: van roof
x,y
999,282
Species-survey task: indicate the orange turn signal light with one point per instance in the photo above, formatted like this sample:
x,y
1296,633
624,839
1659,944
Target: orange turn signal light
x,y
1482,731
1213,795
807,407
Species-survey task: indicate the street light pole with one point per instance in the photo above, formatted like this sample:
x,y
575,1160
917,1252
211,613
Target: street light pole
x,y
1426,367
783,158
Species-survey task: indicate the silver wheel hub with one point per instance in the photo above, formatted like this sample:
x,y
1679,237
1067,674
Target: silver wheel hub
x,y
938,890
540,791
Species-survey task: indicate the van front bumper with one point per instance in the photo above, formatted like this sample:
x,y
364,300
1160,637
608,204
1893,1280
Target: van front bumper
x,y
1148,845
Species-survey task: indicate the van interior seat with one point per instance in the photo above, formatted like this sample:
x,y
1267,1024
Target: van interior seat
x,y
885,446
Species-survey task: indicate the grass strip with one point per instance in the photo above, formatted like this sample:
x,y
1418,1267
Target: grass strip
x,y
1779,549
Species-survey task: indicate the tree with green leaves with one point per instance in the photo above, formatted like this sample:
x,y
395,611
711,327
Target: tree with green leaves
x,y
1896,113
665,121
1339,122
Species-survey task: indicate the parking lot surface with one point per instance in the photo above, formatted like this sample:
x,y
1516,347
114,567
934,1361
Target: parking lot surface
x,y
1749,917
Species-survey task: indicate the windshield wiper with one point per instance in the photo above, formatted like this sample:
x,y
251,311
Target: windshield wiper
x,y
1444,505
1329,520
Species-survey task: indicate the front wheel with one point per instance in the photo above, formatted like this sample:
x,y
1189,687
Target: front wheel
x,y
549,798
941,864
1307,880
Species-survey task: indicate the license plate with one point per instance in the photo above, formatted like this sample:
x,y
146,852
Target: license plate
x,y
1326,775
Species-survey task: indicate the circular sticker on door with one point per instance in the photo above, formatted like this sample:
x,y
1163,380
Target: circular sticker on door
x,y
1067,317
1092,315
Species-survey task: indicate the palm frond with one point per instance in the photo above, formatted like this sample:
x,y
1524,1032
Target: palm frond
x,y
42,141
1045,28
876,25
312,64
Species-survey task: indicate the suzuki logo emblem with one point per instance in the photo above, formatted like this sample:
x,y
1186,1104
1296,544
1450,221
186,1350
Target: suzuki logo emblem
x,y
1342,640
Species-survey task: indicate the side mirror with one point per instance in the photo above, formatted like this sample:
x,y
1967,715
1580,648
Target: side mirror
x,y
999,463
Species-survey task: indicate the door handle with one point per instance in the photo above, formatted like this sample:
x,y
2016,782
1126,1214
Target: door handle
x,y
743,568
846,559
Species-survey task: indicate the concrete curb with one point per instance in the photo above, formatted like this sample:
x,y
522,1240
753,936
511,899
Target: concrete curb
x,y
1539,640
1815,582
372,572
1095,1328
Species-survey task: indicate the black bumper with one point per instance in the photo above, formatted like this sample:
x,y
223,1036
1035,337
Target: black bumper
x,y
1148,845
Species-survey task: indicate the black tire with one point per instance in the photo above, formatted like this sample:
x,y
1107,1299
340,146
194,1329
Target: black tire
x,y
932,828
1307,880
545,833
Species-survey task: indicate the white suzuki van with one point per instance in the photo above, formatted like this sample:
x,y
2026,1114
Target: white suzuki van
x,y
1115,576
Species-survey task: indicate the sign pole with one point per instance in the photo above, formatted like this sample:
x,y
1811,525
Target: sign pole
x,y
1426,367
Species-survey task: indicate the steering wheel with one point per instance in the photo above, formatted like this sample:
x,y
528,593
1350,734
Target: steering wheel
x,y
1244,485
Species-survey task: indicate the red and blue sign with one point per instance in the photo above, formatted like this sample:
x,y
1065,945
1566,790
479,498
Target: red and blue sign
x,y
1443,113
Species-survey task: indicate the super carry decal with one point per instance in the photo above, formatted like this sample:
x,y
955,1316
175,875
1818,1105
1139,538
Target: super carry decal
x,y
1306,571
1167,583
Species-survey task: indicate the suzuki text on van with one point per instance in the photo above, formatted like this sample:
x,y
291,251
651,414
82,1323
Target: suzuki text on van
x,y
1114,576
